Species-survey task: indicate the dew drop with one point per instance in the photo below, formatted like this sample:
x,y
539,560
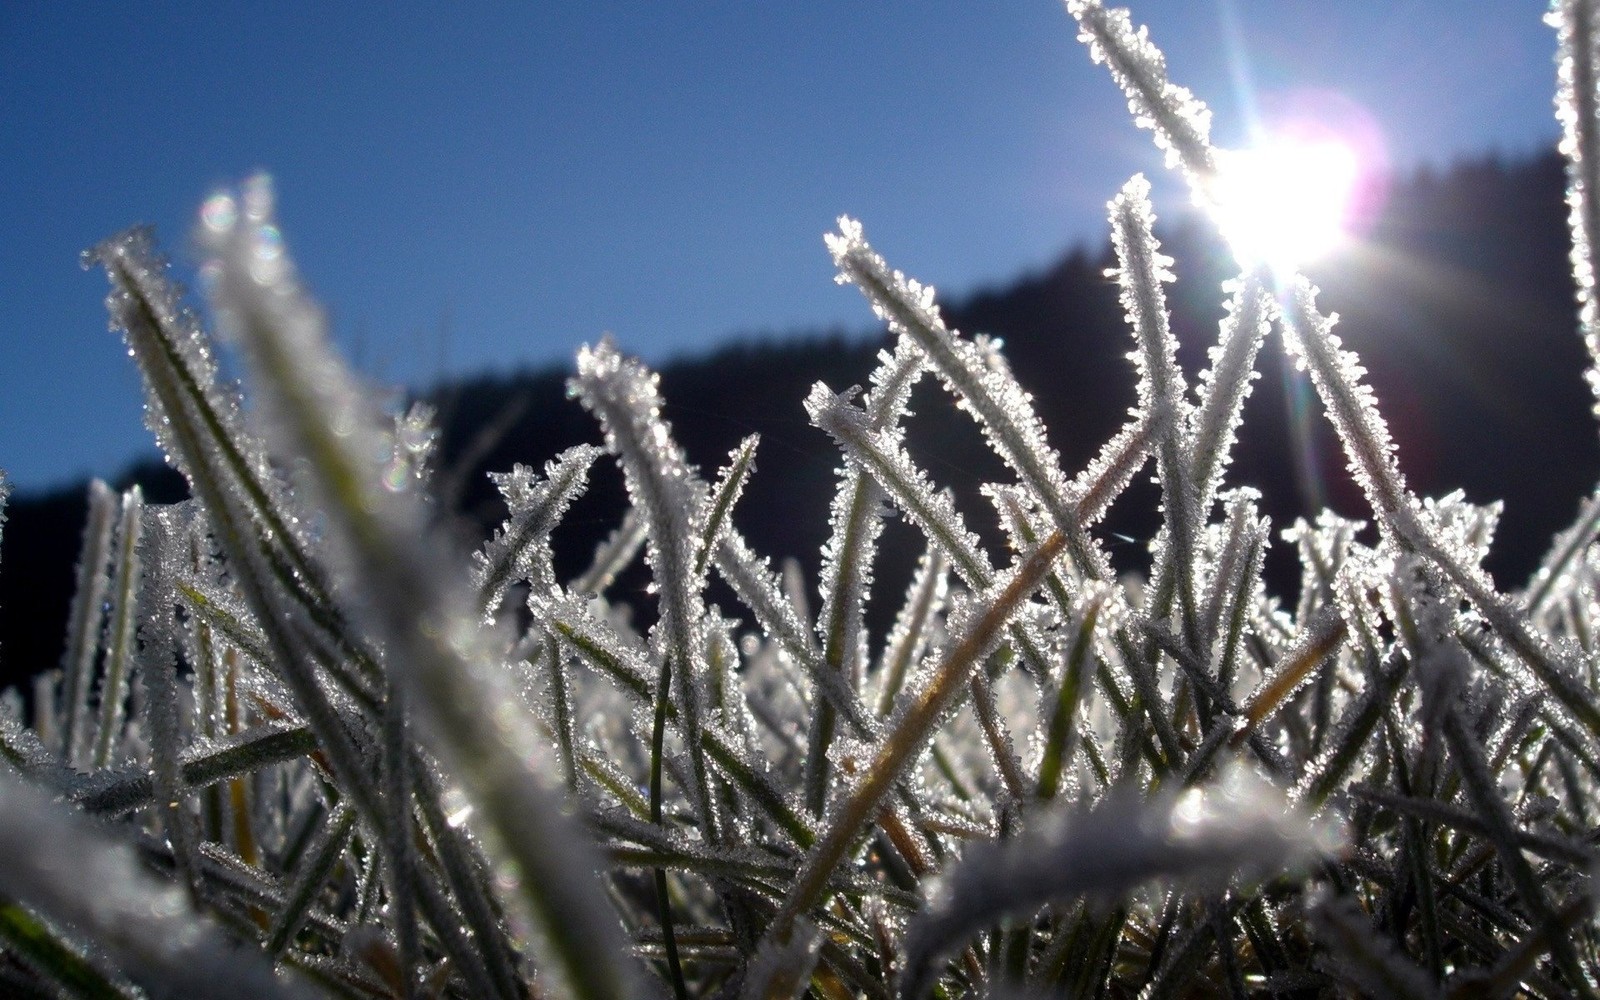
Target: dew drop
x,y
257,197
219,213
397,478
268,243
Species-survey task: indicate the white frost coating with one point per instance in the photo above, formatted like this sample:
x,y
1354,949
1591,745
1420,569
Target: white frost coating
x,y
1465,530
1323,547
147,925
259,302
1224,386
619,657
263,611
1336,374
982,384
856,520
122,621
885,458
158,663
254,521
730,708
1235,584
196,419
23,750
761,589
915,629
617,653
716,523
1241,827
1560,567
1181,122
1003,409
1355,587
892,381
1578,110
623,395
411,594
520,548
1108,474
83,621
1142,270
1351,405
140,280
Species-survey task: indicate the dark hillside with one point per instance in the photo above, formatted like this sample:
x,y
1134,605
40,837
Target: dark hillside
x,y
1461,308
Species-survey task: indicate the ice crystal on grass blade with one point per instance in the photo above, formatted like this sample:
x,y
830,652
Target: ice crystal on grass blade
x,y
1181,122
382,765
520,551
144,923
400,582
1205,837
83,620
1578,110
1142,270
1000,405
1225,385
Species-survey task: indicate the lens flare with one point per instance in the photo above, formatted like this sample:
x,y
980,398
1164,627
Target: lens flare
x,y
1309,178
1286,201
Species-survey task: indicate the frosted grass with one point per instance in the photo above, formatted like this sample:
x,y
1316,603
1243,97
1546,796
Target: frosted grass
x,y
300,744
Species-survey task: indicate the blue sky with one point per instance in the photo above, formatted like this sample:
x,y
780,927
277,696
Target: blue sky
x,y
525,176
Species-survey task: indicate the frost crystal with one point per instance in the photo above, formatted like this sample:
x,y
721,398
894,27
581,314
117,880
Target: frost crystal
x,y
328,738
1142,270
196,420
1337,373
1578,110
520,550
882,455
1001,406
84,619
1180,121
1240,826
1225,385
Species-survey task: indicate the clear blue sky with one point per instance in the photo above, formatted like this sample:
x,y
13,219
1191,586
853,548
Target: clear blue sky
x,y
528,175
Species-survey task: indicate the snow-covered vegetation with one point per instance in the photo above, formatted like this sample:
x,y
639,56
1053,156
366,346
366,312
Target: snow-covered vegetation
x,y
300,745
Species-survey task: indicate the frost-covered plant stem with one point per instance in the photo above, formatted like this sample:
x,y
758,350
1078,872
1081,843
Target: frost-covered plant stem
x,y
147,926
909,731
1015,433
1336,376
1142,271
847,575
353,750
83,620
1182,125
622,397
431,636
122,621
1577,24
1000,405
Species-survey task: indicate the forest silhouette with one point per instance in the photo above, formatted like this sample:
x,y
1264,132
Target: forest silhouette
x,y
1459,302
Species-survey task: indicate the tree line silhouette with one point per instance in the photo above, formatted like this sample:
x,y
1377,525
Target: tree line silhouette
x,y
1459,302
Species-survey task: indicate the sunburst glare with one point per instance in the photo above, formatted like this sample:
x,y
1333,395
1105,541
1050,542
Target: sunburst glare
x,y
1287,200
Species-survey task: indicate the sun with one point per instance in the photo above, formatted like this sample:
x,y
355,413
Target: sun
x,y
1286,201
